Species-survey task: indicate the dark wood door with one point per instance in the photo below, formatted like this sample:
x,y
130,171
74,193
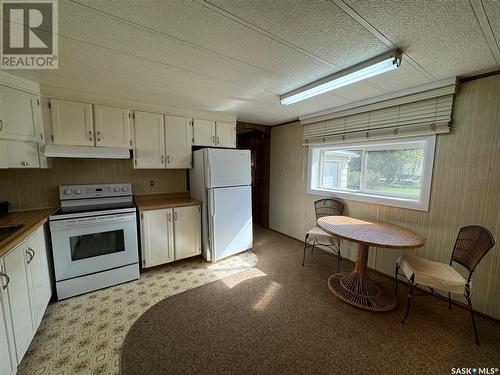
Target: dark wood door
x,y
259,143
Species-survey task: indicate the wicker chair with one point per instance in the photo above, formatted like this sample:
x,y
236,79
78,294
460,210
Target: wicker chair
x,y
316,236
472,244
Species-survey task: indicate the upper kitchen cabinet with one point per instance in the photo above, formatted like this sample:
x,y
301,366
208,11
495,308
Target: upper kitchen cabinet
x,y
72,123
225,135
149,150
20,115
203,132
19,154
112,127
178,139
214,134
3,154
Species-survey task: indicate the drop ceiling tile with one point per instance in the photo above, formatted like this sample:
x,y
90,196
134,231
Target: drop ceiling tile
x,y
319,27
200,27
404,77
444,37
108,33
183,54
492,9
112,74
352,93
356,91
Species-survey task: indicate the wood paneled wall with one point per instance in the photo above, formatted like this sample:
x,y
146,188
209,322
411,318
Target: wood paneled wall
x,y
465,190
38,188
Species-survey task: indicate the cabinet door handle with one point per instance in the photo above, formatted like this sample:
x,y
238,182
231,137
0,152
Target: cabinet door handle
x,y
24,163
1,125
213,139
31,254
7,279
168,159
175,215
218,140
169,217
90,135
99,137
162,159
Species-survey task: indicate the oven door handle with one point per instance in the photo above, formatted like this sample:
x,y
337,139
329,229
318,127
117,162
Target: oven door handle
x,y
92,221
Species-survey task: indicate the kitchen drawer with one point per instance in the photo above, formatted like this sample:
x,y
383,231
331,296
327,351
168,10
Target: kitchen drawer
x,y
22,154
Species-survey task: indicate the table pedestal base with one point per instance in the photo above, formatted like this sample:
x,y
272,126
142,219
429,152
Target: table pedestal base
x,y
359,290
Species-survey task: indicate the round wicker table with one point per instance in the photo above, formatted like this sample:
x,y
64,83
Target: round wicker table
x,y
355,287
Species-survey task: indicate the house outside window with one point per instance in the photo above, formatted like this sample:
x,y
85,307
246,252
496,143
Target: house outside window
x,y
394,172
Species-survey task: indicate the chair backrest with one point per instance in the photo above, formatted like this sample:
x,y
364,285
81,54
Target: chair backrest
x,y
328,207
472,244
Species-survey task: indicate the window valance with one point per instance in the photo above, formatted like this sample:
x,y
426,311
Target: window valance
x,y
419,114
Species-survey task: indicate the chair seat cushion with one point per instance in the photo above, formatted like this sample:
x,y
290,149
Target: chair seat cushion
x,y
319,235
432,274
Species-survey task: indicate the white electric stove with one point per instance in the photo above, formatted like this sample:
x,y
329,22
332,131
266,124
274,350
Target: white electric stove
x,y
94,238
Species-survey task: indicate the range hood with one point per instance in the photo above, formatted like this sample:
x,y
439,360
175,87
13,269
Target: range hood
x,y
90,152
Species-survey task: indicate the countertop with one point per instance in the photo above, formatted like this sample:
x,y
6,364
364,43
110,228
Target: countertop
x,y
165,200
30,221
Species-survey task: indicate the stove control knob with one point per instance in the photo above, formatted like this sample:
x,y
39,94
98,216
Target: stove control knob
x,y
124,188
116,190
77,191
67,191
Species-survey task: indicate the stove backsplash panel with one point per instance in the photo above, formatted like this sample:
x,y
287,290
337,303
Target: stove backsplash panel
x,y
38,188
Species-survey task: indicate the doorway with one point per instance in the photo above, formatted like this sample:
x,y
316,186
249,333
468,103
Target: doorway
x,y
257,139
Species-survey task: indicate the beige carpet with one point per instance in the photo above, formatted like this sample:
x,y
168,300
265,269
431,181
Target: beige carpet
x,y
280,318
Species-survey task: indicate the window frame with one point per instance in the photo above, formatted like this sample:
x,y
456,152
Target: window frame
x,y
422,204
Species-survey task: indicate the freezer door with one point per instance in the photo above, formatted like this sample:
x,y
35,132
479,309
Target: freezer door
x,y
227,168
230,221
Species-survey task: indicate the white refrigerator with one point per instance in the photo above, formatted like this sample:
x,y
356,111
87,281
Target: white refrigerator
x,y
221,179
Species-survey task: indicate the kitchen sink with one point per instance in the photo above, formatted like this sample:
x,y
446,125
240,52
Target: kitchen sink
x,y
7,230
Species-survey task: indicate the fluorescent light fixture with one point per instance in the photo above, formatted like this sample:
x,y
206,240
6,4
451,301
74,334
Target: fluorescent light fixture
x,y
377,65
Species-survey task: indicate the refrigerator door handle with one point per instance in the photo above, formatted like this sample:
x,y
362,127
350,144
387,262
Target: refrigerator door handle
x,y
208,175
212,204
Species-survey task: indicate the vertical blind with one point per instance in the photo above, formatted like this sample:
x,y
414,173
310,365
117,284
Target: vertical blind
x,y
431,115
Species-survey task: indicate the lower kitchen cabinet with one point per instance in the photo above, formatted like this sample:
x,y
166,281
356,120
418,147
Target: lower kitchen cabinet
x,y
16,269
38,274
25,293
187,238
170,234
8,359
157,237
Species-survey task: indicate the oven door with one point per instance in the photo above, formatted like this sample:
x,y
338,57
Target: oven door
x,y
93,244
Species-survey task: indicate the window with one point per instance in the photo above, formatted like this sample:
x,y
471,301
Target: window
x,y
393,172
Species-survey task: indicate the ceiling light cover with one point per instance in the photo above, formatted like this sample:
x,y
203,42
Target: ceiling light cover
x,y
378,65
